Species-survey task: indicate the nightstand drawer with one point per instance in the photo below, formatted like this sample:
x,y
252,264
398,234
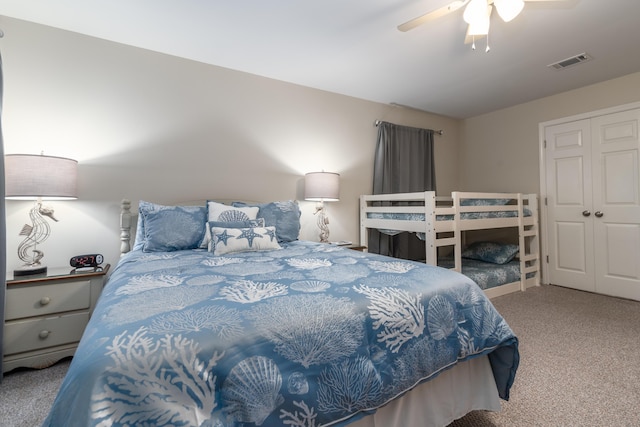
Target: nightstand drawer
x,y
27,301
33,334
46,315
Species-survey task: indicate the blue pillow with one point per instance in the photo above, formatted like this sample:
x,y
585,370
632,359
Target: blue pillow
x,y
284,216
170,228
496,253
138,243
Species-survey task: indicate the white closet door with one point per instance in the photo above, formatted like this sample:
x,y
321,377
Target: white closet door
x,y
593,203
616,203
569,205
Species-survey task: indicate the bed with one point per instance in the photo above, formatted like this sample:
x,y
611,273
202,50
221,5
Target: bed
x,y
442,222
246,325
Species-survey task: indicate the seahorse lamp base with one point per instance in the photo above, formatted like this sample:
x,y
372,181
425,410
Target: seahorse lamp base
x,y
28,270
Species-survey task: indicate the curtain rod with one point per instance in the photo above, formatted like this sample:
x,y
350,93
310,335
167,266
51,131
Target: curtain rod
x,y
439,132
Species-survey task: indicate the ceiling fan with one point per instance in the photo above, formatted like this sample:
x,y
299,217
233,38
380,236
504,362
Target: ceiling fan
x,y
477,14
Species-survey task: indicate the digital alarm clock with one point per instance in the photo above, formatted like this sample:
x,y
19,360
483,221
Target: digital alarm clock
x,y
83,261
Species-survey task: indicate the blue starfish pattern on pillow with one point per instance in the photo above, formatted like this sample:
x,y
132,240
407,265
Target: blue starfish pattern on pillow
x,y
230,240
249,234
223,237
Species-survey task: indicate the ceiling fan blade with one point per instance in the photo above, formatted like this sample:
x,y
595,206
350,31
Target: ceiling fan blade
x,y
435,14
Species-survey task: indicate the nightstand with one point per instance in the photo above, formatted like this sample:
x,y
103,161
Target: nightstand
x,y
45,315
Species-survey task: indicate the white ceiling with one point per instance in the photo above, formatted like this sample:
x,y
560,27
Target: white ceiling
x,y
353,47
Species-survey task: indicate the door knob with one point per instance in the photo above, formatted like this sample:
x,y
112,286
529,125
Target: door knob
x,y
599,214
586,213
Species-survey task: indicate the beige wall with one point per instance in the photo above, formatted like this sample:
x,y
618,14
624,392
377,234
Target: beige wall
x,y
499,151
149,126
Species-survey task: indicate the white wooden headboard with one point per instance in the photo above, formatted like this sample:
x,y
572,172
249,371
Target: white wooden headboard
x,y
126,222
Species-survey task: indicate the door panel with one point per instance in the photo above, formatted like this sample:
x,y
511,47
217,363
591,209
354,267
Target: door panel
x,y
616,197
570,225
569,182
622,241
570,249
619,129
619,171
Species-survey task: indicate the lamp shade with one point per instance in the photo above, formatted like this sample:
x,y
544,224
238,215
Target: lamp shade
x,y
322,186
29,177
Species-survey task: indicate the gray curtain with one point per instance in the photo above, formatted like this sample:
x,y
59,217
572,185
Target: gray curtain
x,y
3,233
404,163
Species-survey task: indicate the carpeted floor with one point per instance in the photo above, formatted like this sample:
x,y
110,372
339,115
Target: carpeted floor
x,y
580,366
579,361
27,395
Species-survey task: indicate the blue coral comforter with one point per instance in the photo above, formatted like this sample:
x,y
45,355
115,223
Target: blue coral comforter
x,y
311,334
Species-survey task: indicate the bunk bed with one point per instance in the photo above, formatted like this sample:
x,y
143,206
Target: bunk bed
x,y
442,223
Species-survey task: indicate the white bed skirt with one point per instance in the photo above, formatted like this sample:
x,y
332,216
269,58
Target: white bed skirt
x,y
452,394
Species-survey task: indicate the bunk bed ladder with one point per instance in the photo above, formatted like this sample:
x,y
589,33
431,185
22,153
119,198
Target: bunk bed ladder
x,y
364,232
522,242
430,247
457,247
528,242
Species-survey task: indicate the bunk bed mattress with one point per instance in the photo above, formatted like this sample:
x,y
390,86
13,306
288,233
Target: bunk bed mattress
x,y
420,217
486,274
310,334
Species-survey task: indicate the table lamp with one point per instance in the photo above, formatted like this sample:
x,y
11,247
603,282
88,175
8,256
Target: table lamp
x,y
38,177
322,187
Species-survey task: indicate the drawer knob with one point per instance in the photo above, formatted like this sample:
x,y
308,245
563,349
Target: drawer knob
x,y
43,334
45,300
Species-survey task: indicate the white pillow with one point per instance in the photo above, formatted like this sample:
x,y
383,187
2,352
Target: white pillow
x,y
221,212
224,213
229,240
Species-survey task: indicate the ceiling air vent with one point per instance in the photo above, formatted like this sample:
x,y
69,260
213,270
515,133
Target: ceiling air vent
x,y
577,59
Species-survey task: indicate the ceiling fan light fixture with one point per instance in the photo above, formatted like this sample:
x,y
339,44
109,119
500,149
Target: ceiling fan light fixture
x,y
480,26
475,11
477,15
509,9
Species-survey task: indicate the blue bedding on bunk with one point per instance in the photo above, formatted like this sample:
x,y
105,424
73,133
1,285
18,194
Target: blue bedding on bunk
x,y
311,334
485,274
420,217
